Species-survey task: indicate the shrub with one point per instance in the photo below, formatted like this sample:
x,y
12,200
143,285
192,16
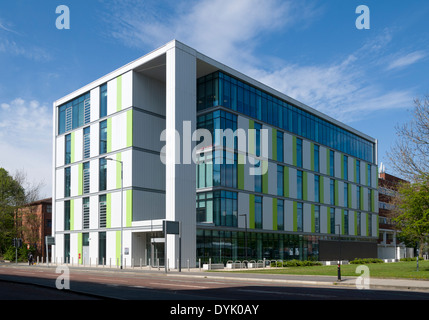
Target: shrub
x,y
408,259
296,263
366,261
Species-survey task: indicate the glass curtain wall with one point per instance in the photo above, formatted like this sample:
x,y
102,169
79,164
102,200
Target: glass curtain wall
x,y
220,89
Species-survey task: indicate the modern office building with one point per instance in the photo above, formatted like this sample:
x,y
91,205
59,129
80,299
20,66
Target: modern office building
x,y
298,180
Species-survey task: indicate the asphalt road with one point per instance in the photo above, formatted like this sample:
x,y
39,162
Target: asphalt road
x,y
39,283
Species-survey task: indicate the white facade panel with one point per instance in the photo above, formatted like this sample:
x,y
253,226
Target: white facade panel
x,y
111,96
59,216
94,139
74,180
77,212
288,207
78,145
288,148
60,154
151,171
306,154
93,213
147,134
149,94
243,205
95,103
59,183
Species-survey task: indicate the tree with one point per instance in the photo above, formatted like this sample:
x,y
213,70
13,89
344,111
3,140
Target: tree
x,y
12,195
15,192
409,156
412,212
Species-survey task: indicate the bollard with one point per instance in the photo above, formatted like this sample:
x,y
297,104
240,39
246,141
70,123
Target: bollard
x,y
199,264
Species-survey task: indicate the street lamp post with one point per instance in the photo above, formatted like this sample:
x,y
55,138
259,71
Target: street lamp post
x,y
122,202
339,256
245,233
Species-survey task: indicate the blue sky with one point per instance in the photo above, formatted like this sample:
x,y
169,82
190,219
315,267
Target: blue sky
x,y
310,50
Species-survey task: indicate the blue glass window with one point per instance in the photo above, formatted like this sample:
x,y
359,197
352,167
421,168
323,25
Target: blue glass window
x,y
299,184
102,185
67,149
67,182
316,159
299,217
279,146
258,212
74,114
280,215
219,89
103,100
103,137
280,188
299,152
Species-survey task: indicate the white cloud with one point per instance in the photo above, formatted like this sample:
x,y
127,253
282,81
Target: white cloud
x,y
219,28
231,31
406,60
26,140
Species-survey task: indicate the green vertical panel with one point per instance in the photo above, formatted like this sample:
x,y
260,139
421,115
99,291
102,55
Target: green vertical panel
x,y
304,186
118,170
294,155
240,172
362,202
80,179
336,193
72,147
119,93
367,224
108,210
109,134
252,145
322,190
295,216
312,155
129,128
265,177
129,214
355,174
79,248
313,226
372,201
118,246
251,211
274,213
72,214
286,181
274,144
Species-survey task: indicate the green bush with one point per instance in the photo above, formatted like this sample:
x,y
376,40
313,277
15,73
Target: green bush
x,y
296,263
408,259
366,261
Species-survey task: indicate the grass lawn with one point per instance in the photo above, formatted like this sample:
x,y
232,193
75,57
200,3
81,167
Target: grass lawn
x,y
379,270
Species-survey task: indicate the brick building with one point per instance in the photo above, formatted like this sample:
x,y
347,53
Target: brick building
x,y
388,244
35,222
